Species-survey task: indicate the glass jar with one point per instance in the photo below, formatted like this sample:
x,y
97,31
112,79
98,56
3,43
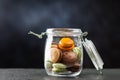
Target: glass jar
x,y
63,52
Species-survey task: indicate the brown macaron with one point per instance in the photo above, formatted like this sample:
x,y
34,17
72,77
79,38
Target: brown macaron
x,y
55,55
69,57
74,68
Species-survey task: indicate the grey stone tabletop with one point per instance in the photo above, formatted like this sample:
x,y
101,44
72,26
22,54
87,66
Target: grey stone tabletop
x,y
40,74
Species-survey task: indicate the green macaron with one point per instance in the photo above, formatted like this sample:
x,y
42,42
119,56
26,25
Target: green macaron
x,y
77,51
58,67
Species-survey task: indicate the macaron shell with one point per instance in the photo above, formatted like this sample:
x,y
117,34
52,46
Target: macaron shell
x,y
74,68
66,49
78,52
58,70
59,65
54,46
66,44
55,55
69,57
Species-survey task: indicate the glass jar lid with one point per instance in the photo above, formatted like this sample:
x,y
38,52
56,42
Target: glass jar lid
x,y
93,54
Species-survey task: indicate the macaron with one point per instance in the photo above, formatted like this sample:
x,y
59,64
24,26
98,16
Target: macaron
x,y
55,55
54,45
69,57
48,65
78,52
66,44
74,68
57,70
59,67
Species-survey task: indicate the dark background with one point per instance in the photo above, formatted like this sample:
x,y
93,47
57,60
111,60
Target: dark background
x,y
17,17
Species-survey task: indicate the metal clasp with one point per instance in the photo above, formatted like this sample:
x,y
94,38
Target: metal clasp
x,y
38,35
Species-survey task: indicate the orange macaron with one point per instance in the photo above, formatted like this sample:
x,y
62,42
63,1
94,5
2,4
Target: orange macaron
x,y
66,44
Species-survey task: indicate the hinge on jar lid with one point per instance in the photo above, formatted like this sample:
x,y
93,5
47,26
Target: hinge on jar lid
x,y
85,34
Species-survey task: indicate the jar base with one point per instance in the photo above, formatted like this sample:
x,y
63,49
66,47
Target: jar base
x,y
68,74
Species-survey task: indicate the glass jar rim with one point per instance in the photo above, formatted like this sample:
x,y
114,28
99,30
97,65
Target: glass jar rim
x,y
64,31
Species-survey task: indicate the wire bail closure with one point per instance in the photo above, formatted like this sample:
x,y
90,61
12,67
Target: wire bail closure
x,y
38,35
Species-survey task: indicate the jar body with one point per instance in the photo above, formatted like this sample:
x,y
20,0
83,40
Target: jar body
x,y
63,52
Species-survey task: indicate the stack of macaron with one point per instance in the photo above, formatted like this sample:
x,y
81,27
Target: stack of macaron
x,y
65,56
